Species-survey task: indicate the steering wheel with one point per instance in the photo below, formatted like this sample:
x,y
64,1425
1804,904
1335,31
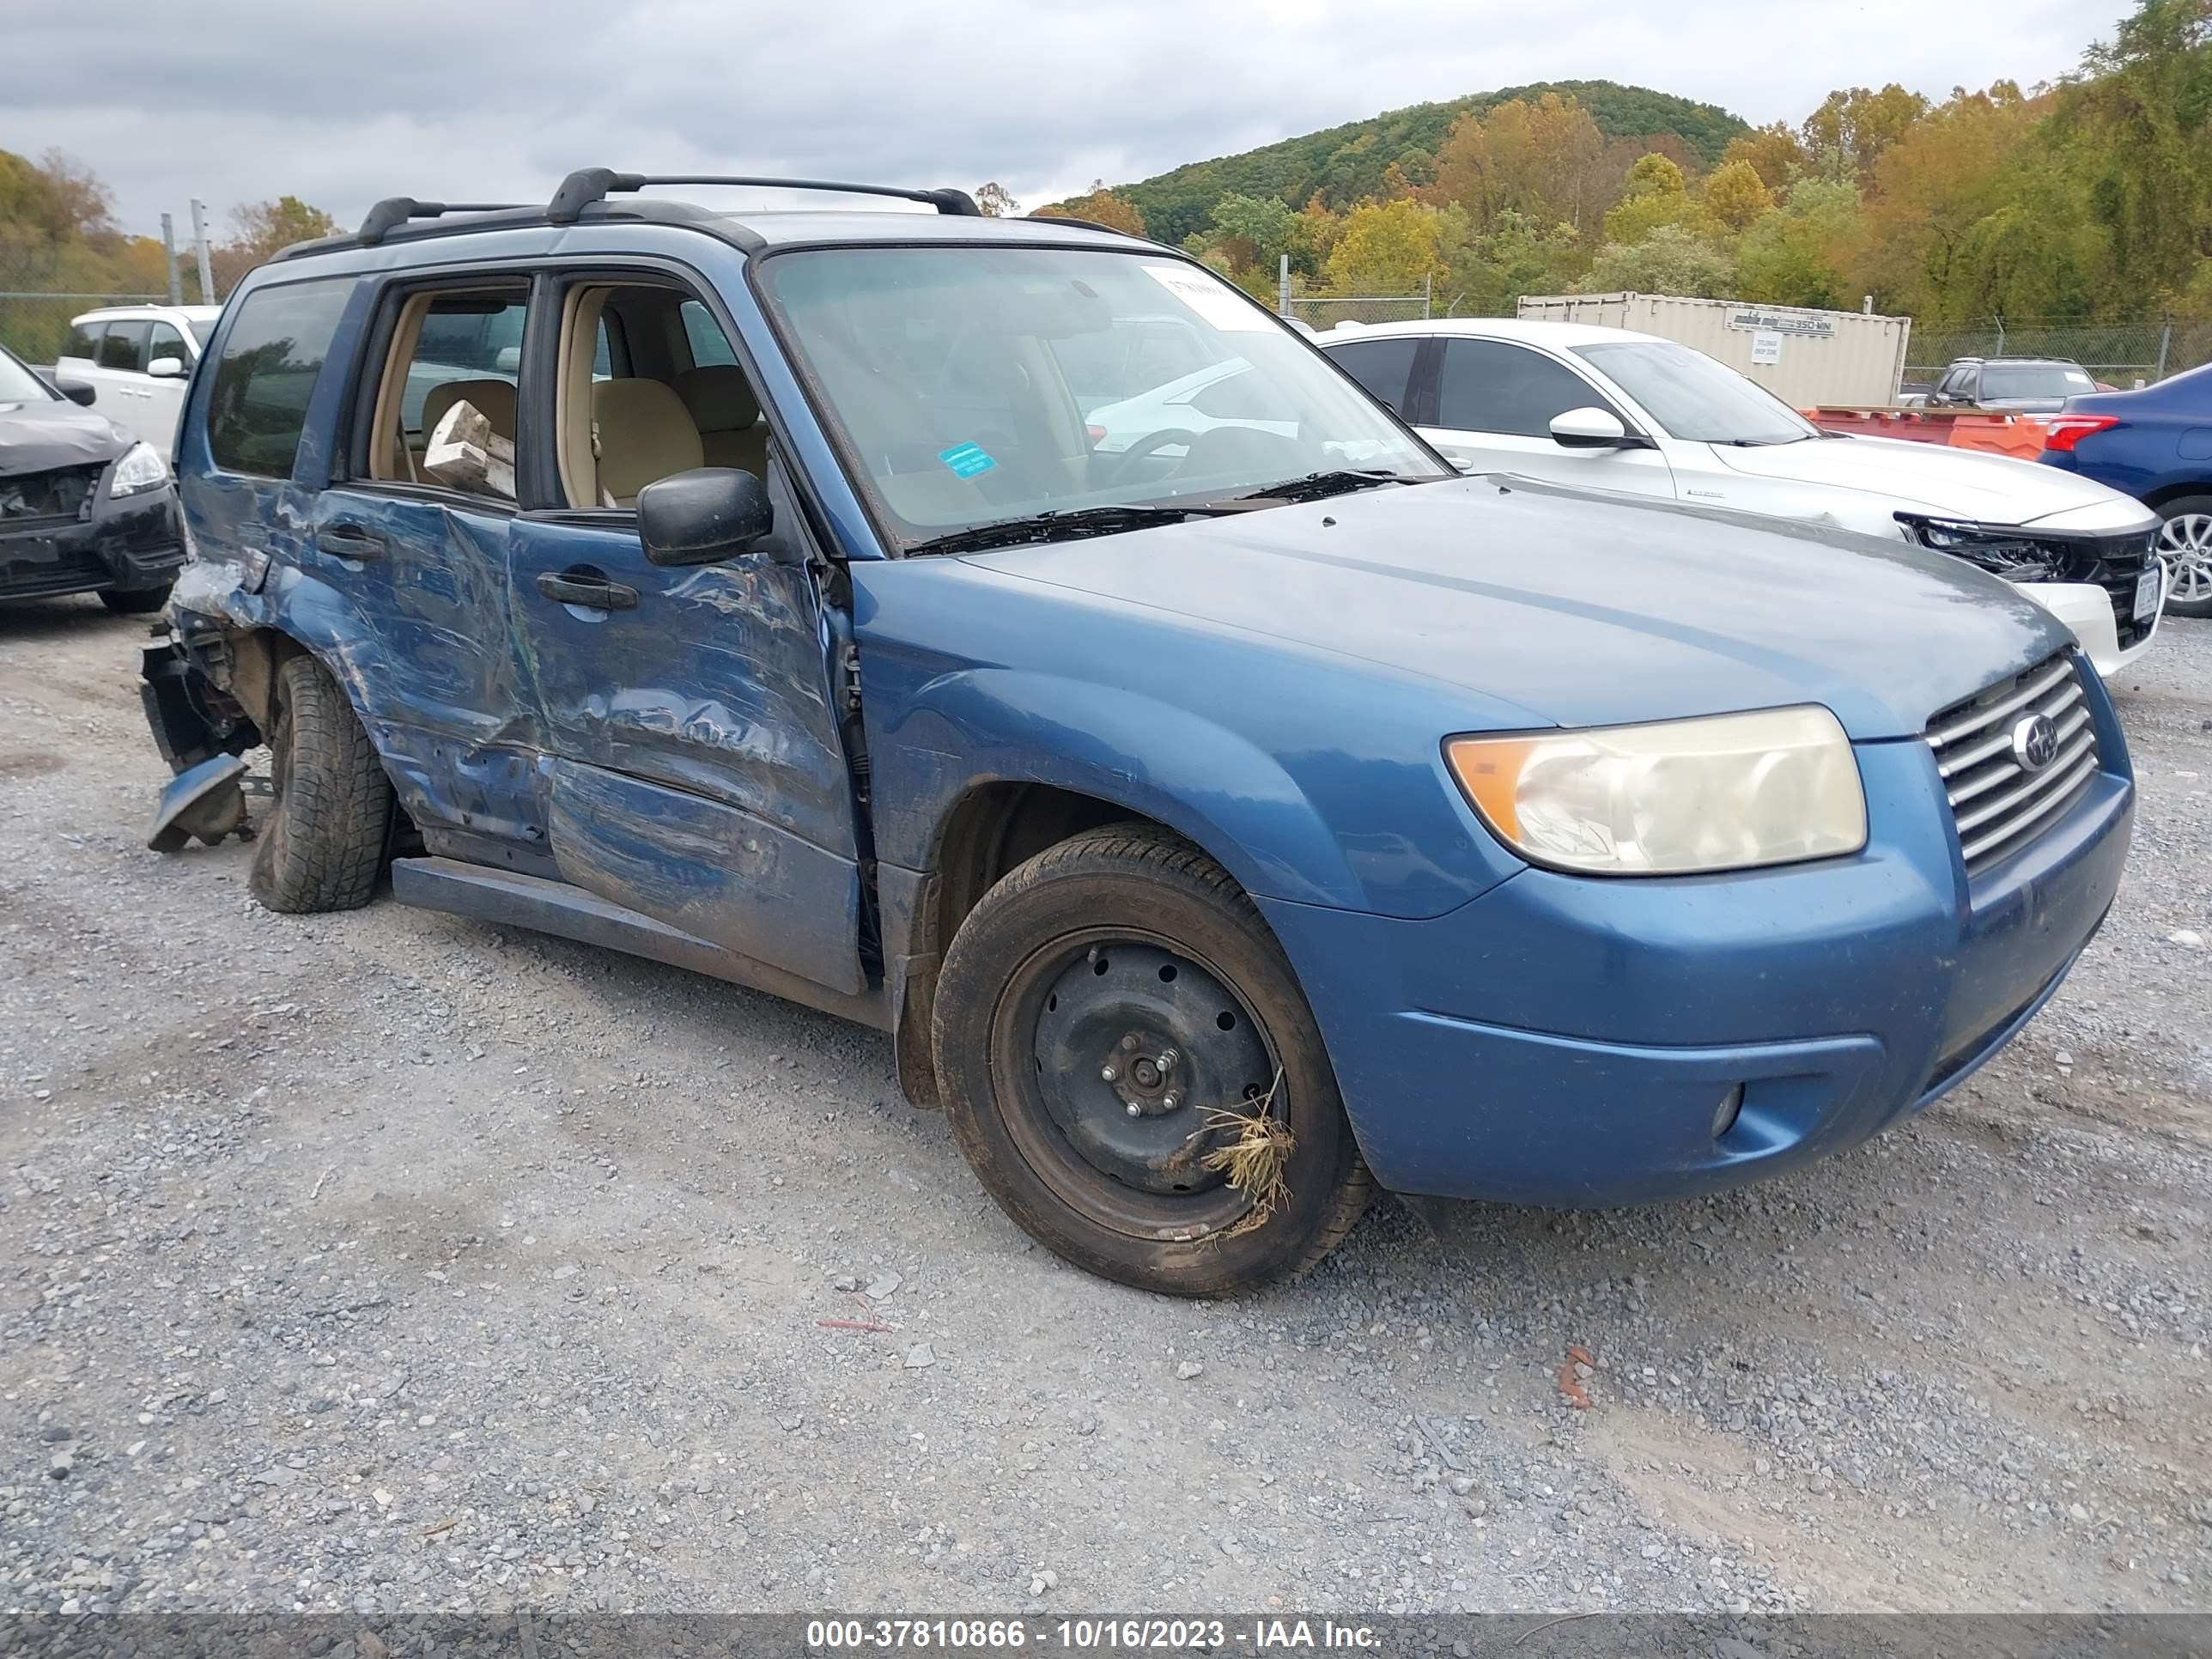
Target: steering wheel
x,y
1148,446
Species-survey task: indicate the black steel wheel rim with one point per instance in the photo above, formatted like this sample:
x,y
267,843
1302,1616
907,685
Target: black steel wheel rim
x,y
1108,1018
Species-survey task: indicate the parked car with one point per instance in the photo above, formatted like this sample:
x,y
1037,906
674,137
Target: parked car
x,y
2156,445
85,507
2012,385
1218,836
137,358
1619,410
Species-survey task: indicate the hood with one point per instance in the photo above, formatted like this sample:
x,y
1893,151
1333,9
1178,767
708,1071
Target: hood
x,y
38,437
1581,610
1957,483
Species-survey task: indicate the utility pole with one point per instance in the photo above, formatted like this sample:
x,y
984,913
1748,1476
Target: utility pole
x,y
169,252
1283,288
200,244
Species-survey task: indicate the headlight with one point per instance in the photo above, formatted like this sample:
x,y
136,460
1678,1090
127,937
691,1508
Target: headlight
x,y
1726,793
140,470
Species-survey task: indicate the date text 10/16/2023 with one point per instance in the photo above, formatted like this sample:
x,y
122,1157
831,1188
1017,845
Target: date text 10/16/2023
x,y
1088,1635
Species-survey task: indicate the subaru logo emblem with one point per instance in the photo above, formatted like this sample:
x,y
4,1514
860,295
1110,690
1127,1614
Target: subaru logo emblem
x,y
2035,743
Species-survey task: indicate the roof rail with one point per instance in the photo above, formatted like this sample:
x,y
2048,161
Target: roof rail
x,y
588,185
393,211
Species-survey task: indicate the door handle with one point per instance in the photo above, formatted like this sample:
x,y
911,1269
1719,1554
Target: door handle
x,y
350,541
593,593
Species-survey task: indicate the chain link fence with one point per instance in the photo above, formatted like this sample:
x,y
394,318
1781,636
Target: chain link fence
x,y
33,324
2121,354
1323,312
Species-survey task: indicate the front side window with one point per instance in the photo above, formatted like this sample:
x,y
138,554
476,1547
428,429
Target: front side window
x,y
124,347
1489,385
962,381
1384,367
271,358
165,341
1695,397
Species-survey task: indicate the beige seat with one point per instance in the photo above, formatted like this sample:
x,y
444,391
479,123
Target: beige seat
x,y
493,400
641,432
720,399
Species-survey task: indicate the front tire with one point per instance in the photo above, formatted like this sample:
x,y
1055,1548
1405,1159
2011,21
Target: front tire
x,y
1101,1012
2185,542
137,601
322,845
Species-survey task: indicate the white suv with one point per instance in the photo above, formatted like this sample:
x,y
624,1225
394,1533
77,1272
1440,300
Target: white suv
x,y
137,359
1606,409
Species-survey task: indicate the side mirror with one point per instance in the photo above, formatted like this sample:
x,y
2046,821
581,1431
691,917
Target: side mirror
x,y
1589,428
703,516
77,392
508,359
167,369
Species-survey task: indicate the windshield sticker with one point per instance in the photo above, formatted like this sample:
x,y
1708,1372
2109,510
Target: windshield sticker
x,y
1210,298
966,460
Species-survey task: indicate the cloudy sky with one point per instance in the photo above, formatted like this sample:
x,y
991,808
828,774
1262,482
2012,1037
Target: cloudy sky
x,y
341,101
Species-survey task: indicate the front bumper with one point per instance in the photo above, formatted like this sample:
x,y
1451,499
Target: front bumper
x,y
2092,613
131,545
1567,1041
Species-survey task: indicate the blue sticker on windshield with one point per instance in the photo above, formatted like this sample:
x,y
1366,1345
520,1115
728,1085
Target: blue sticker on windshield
x,y
966,460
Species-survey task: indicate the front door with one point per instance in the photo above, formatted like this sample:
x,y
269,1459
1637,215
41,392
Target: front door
x,y
1493,407
696,769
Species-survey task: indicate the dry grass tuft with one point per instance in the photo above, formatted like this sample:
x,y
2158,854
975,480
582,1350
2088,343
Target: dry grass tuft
x,y
1255,1158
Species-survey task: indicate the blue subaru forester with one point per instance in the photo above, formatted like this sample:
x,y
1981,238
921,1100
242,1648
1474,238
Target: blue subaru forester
x,y
1221,825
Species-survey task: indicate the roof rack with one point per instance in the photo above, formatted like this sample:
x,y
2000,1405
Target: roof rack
x,y
394,211
588,185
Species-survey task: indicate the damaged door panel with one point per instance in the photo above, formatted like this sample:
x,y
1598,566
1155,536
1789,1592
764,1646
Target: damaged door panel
x,y
698,773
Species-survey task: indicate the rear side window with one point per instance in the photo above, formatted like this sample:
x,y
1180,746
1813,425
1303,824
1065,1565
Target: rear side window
x,y
1488,386
1383,366
83,340
710,348
258,405
124,347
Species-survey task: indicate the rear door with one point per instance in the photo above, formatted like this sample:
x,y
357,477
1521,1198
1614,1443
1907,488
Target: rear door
x,y
420,563
695,763
1493,407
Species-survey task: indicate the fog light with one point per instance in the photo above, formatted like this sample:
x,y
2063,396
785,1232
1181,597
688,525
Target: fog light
x,y
1725,1116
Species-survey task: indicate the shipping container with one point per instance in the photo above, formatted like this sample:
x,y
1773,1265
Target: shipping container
x,y
1804,357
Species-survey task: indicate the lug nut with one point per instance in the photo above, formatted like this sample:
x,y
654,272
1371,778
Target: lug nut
x,y
1108,1072
1169,1102
1168,1058
1136,1111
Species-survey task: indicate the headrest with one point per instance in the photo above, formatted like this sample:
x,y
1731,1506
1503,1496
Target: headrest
x,y
493,400
719,397
645,433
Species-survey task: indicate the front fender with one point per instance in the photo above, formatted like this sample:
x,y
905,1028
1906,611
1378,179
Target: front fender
x,y
1321,825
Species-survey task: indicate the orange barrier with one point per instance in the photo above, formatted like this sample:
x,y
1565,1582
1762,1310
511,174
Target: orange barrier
x,y
2018,435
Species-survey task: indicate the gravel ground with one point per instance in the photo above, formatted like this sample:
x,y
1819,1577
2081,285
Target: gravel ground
x,y
386,1262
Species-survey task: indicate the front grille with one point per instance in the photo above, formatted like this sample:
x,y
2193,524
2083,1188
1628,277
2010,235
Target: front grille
x,y
1999,806
61,496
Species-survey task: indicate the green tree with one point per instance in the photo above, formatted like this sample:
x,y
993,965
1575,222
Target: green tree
x,y
995,201
1545,160
1255,232
1847,135
1802,253
1668,260
1773,152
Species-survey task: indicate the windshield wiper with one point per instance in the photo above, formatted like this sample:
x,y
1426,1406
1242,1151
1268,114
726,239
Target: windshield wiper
x,y
1056,524
1766,443
1319,486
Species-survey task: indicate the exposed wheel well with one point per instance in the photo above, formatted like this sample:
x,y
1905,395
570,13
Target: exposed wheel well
x,y
256,654
2158,498
993,827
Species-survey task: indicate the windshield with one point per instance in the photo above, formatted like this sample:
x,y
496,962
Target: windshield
x,y
18,385
981,386
2034,380
1696,398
